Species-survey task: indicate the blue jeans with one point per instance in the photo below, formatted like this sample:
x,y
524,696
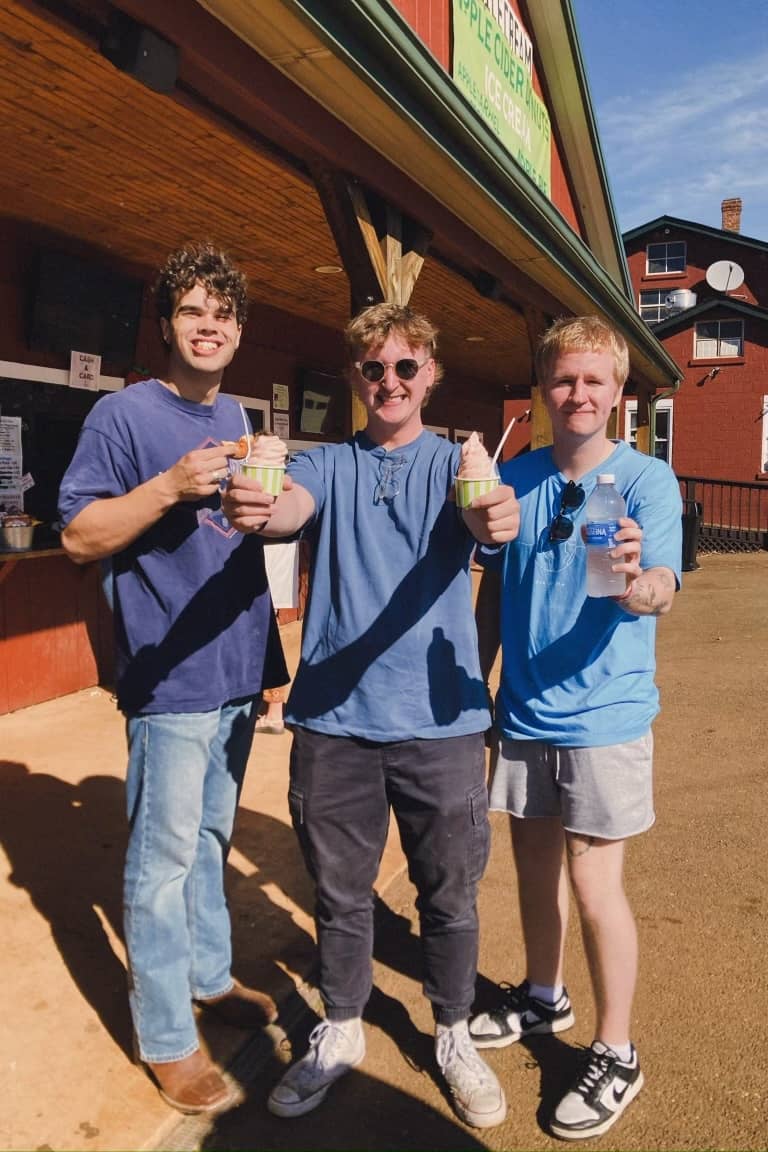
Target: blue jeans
x,y
341,792
185,772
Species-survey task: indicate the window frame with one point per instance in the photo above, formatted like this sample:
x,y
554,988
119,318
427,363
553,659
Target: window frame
x,y
718,354
630,434
666,270
660,304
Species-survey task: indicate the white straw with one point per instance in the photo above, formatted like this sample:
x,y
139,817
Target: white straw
x,y
500,445
247,434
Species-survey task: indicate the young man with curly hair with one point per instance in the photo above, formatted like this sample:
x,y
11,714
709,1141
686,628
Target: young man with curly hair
x,y
388,708
195,640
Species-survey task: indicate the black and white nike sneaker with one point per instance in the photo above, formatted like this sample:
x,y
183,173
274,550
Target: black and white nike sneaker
x,y
518,1015
604,1088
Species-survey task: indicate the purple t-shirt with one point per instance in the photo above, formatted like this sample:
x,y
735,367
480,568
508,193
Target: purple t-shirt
x,y
194,625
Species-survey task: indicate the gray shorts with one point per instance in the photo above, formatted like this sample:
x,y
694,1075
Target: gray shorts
x,y
605,792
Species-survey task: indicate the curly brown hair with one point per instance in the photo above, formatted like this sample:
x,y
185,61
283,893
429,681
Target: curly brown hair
x,y
203,264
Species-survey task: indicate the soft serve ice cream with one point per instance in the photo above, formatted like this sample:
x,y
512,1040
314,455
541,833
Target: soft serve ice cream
x,y
265,461
476,474
475,461
267,450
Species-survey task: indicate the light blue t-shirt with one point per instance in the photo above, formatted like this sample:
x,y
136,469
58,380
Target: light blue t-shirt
x,y
579,671
389,647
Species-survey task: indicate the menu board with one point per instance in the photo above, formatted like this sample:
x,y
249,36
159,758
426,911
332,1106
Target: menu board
x,y
11,490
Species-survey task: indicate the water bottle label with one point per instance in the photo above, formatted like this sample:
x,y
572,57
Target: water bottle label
x,y
601,533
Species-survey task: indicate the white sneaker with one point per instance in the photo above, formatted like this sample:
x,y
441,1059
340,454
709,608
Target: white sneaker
x,y
334,1048
602,1090
478,1098
518,1015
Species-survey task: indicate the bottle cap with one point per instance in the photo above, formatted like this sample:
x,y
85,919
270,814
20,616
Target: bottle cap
x,y
606,478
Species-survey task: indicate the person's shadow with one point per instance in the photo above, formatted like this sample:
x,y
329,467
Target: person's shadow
x,y
65,844
269,906
362,1112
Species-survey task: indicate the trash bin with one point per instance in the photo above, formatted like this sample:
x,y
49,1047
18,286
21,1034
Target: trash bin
x,y
692,514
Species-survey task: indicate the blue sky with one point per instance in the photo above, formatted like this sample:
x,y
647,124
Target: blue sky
x,y
680,92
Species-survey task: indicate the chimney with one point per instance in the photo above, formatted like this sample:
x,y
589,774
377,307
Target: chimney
x,y
731,210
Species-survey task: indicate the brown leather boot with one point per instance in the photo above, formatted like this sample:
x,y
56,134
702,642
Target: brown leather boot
x,y
242,1007
192,1085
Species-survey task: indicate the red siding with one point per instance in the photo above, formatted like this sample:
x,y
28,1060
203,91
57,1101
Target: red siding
x,y
431,21
55,630
717,422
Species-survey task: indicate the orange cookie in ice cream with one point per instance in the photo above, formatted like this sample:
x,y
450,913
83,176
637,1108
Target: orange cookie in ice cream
x,y
238,449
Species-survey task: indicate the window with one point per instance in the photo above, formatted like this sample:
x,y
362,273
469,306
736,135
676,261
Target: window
x,y
653,305
665,258
662,433
718,339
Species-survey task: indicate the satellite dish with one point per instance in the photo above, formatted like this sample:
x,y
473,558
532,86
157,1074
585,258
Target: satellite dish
x,y
724,276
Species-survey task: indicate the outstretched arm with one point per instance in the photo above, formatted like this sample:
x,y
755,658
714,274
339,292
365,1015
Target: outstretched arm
x,y
108,525
250,509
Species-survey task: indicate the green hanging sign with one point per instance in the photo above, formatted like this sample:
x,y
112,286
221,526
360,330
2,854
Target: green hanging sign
x,y
493,67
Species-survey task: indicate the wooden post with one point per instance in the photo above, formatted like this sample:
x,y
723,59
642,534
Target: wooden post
x,y
643,443
379,270
536,323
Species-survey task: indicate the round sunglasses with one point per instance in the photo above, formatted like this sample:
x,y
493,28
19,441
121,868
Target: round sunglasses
x,y
374,371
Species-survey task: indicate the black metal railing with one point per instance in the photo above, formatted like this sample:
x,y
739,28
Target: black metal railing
x,y
732,516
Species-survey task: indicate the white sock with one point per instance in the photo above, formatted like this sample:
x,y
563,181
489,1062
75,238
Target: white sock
x,y
549,993
623,1051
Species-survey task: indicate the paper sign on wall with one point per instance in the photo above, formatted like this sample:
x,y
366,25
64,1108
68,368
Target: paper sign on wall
x,y
84,370
11,481
280,397
281,425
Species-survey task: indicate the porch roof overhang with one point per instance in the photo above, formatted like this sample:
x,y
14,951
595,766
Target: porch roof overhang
x,y
363,63
264,91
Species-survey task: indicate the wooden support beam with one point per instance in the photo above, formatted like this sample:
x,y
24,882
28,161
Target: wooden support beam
x,y
355,237
536,322
643,443
378,268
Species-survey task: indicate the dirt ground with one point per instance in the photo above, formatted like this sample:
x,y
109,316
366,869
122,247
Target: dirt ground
x,y
697,882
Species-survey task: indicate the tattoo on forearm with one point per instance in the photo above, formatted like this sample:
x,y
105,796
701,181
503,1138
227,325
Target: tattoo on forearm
x,y
651,596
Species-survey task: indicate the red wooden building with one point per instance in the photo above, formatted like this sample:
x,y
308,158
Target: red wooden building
x,y
430,152
704,292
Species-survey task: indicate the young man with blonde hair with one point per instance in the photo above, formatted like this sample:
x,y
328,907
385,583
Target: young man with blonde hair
x,y
573,713
388,708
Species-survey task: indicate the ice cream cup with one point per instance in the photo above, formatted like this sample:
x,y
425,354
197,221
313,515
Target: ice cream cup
x,y
467,489
271,478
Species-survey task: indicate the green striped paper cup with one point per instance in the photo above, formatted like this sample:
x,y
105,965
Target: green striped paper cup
x,y
271,479
467,490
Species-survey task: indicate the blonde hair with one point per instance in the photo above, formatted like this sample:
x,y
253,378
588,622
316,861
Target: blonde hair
x,y
371,327
581,334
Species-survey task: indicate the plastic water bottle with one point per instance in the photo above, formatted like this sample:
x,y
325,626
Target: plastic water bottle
x,y
602,512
